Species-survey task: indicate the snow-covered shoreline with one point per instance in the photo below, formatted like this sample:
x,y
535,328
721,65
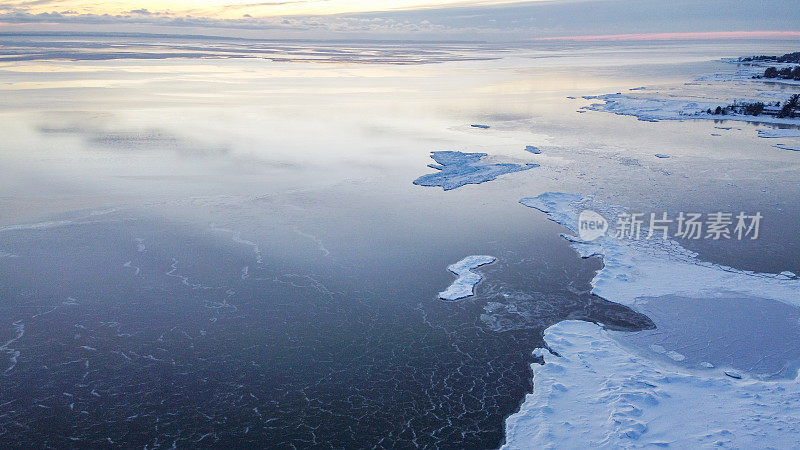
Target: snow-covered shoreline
x,y
656,109
651,268
600,392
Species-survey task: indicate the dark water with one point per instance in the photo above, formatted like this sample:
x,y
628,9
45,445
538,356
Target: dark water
x,y
149,332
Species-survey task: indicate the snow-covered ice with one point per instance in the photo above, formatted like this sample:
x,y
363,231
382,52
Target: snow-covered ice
x,y
650,109
657,109
532,149
467,279
650,268
478,125
661,155
600,393
455,169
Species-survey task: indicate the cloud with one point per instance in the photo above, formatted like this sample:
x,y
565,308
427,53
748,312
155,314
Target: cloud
x,y
491,22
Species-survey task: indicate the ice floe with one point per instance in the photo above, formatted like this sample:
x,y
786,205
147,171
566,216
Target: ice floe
x,y
661,155
597,392
478,125
455,169
467,279
650,268
532,149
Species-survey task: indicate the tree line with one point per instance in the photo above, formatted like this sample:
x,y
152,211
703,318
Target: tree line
x,y
789,109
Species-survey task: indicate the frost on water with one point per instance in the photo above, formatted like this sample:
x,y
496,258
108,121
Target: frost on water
x,y
599,393
455,169
604,390
467,279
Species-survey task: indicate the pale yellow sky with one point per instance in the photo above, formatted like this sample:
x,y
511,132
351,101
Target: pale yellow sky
x,y
237,9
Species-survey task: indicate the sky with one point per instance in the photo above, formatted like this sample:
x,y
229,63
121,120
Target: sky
x,y
486,20
231,9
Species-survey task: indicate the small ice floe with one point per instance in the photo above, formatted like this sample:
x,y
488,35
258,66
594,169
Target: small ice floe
x,y
778,132
467,279
733,374
675,355
716,134
131,266
532,149
640,88
661,155
102,212
478,125
457,169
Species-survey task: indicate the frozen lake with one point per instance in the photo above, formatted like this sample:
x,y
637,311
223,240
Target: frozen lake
x,y
231,250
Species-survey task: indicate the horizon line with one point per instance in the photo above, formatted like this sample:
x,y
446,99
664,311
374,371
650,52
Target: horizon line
x,y
694,35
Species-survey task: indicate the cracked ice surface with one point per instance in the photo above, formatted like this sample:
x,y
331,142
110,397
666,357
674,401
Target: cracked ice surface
x,y
457,169
467,279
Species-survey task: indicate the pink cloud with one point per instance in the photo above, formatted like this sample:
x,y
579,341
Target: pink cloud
x,y
702,35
